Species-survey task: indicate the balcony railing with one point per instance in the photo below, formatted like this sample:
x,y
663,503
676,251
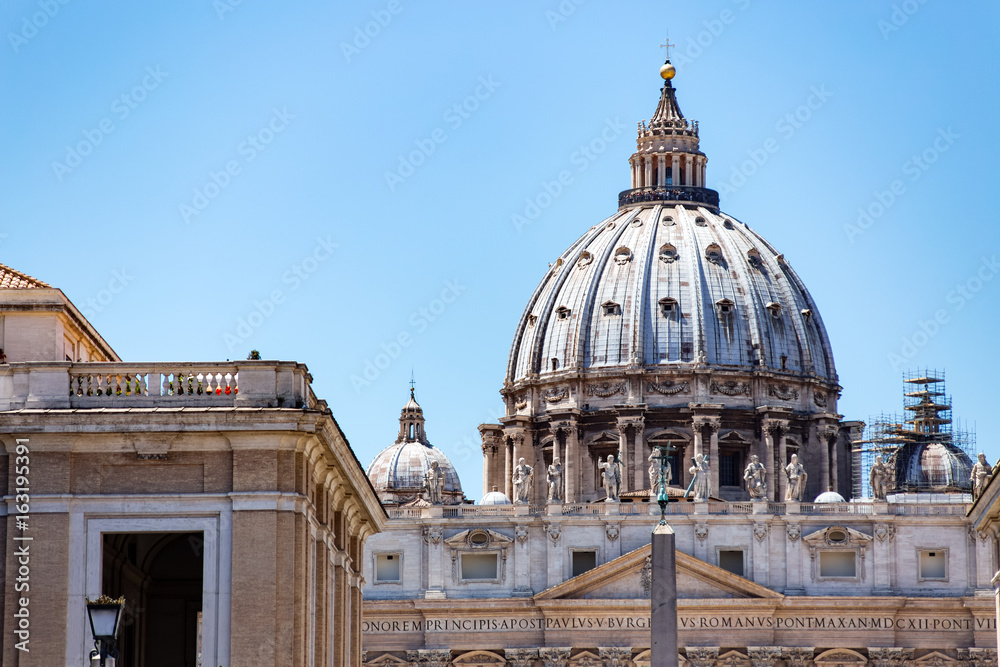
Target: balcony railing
x,y
55,385
684,193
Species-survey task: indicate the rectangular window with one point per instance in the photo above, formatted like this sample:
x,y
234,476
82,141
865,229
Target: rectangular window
x,y
731,560
479,566
837,564
387,567
933,564
583,561
675,469
729,470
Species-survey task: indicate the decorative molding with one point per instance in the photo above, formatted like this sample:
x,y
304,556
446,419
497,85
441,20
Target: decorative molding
x,y
890,656
425,657
702,656
701,531
761,530
763,656
730,388
553,656
521,657
433,534
615,656
820,399
521,401
885,531
793,531
556,394
606,389
783,392
611,530
553,530
798,656
521,533
668,387
646,576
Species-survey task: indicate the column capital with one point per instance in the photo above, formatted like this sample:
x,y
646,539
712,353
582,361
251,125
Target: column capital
x,y
554,656
763,656
798,656
702,656
774,426
893,656
521,657
615,656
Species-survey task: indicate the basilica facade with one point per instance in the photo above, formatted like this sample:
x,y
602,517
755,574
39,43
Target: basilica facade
x,y
671,348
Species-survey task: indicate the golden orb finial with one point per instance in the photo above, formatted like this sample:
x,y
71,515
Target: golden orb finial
x,y
667,71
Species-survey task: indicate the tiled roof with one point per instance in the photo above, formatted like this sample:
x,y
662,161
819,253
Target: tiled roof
x,y
11,279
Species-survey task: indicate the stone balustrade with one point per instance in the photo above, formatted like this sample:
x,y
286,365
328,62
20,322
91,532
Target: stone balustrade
x,y
66,385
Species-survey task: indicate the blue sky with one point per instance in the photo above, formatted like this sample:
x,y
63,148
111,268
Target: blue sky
x,y
303,168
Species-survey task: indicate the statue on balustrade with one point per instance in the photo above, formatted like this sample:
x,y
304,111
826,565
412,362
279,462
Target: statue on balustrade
x,y
879,478
434,484
659,477
611,474
755,476
796,474
980,476
701,479
522,482
555,481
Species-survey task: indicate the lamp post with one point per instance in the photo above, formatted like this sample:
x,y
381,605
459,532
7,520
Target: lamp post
x,y
105,616
663,593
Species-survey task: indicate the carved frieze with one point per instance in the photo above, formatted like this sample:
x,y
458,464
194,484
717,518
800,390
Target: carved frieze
x,y
433,534
668,387
521,533
730,388
783,392
763,656
646,576
554,531
702,656
606,389
885,531
555,394
701,531
888,656
611,530
428,657
820,399
554,656
798,656
793,532
760,531
615,656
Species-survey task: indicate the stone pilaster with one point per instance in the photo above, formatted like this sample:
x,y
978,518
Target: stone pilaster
x,y
702,656
554,550
764,656
713,425
793,558
882,555
554,656
623,454
639,455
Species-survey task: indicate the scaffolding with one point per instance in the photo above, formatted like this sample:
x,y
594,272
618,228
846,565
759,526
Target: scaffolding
x,y
927,419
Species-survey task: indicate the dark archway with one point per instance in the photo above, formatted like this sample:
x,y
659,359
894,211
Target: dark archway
x,y
161,577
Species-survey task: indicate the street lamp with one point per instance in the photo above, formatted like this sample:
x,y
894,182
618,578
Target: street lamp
x,y
105,615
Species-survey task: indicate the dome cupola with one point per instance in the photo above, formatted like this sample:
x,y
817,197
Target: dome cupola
x,y
399,471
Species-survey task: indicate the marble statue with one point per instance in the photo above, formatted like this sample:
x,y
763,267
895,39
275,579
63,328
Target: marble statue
x,y
555,481
879,478
434,484
659,477
980,476
755,476
796,474
701,479
522,482
612,477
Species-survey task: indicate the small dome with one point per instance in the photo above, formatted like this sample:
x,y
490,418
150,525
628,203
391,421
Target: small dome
x,y
494,497
397,473
932,466
830,497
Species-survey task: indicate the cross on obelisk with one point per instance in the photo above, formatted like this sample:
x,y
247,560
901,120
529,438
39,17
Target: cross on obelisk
x,y
667,45
663,592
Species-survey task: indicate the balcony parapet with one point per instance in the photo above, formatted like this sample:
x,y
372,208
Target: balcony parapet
x,y
66,385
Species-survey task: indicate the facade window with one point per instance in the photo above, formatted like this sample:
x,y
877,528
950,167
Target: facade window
x,y
562,313
479,567
933,564
610,308
583,561
731,560
729,470
775,309
668,306
387,568
838,564
725,306
555,364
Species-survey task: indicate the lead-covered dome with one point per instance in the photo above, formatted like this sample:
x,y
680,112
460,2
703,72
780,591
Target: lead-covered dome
x,y
398,472
665,284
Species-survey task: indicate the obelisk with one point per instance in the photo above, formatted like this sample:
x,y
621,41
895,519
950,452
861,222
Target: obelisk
x,y
663,598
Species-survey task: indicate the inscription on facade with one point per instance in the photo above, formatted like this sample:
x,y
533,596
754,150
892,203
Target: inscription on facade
x,y
687,622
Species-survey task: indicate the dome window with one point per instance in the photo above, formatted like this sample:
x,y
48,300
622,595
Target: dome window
x,y
754,258
727,223
532,319
555,364
700,221
668,253
585,259
668,306
725,306
713,253
807,313
774,309
623,256
637,222
667,220
562,313
611,308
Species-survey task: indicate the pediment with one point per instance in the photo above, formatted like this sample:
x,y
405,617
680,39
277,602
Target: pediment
x,y
934,659
840,657
386,660
478,538
586,659
479,659
629,577
837,536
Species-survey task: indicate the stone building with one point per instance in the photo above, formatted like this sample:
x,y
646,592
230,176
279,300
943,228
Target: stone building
x,y
671,323
221,499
